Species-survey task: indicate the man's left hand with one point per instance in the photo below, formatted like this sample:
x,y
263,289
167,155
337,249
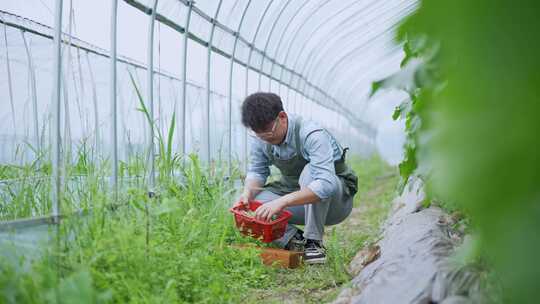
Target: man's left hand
x,y
266,211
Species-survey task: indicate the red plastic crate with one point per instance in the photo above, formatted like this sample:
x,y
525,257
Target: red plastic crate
x,y
265,231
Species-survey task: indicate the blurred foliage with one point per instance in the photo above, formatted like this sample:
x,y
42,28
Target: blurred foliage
x,y
420,78
26,281
478,135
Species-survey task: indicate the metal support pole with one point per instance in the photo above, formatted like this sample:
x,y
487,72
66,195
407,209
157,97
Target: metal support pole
x,y
231,68
33,90
184,79
248,64
67,148
208,92
57,77
94,103
288,102
150,94
10,85
114,113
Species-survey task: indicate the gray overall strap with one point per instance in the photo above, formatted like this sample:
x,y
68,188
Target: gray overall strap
x,y
299,143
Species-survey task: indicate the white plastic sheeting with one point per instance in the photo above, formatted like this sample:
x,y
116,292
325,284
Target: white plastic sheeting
x,y
414,264
320,56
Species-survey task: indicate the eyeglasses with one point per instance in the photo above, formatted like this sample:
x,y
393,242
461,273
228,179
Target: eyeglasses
x,y
268,134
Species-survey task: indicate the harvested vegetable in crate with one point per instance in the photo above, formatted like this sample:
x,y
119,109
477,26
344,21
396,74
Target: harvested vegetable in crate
x,y
250,213
266,231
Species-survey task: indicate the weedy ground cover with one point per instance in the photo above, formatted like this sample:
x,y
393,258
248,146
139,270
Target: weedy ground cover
x,y
172,248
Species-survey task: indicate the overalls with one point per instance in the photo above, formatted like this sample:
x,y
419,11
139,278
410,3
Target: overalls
x,y
295,174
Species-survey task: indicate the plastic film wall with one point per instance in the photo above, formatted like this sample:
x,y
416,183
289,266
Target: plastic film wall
x,y
121,64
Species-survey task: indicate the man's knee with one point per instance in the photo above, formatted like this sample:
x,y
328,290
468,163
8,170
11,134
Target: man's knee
x,y
340,212
306,178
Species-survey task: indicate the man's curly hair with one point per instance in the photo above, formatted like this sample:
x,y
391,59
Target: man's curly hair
x,y
260,109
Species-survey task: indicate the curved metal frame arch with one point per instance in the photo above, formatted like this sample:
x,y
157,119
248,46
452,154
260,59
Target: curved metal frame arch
x,y
323,42
252,44
299,81
318,98
347,93
348,36
232,9
293,38
353,87
318,27
310,68
349,73
330,33
357,48
231,68
309,16
339,106
227,18
270,37
281,40
345,37
305,80
350,57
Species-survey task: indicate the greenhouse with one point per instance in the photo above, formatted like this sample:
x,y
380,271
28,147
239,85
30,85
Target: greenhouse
x,y
273,151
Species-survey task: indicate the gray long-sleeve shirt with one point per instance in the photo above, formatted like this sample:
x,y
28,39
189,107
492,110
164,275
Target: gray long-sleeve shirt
x,y
320,149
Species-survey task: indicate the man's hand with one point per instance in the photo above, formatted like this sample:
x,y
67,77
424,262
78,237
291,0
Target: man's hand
x,y
266,211
245,197
252,187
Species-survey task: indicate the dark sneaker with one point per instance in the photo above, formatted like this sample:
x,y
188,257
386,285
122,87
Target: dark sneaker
x,y
314,252
297,242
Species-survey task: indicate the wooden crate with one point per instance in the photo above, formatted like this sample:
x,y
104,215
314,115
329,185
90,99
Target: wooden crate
x,y
277,257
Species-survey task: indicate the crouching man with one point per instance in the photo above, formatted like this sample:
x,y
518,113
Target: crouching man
x,y
316,184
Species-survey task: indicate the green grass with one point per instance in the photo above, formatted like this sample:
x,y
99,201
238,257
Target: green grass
x,y
25,189
175,248
172,248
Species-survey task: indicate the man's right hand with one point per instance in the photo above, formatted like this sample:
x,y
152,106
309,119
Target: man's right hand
x,y
245,197
252,187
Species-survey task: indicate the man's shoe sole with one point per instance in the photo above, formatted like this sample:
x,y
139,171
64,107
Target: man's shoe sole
x,y
315,261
